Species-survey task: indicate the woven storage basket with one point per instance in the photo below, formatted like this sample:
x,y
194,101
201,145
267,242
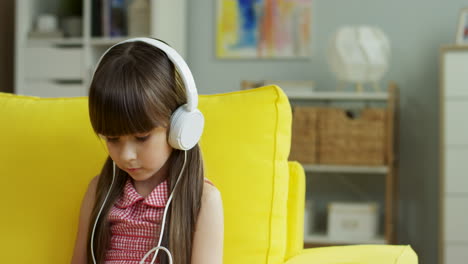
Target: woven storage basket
x,y
304,135
351,141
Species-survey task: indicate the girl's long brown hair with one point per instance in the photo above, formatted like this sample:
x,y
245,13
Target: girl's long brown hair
x,y
135,89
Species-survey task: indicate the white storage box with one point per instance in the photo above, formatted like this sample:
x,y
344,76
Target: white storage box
x,y
352,221
308,218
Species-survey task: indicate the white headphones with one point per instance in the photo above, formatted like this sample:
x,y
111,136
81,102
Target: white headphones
x,y
187,121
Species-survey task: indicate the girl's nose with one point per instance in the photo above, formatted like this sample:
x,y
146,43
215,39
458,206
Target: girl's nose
x,y
128,152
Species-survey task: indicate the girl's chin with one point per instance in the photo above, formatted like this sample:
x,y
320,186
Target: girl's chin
x,y
140,176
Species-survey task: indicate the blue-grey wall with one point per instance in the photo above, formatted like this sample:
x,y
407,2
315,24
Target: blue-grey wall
x,y
417,29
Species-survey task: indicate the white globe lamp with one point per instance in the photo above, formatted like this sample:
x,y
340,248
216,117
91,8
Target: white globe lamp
x,y
359,55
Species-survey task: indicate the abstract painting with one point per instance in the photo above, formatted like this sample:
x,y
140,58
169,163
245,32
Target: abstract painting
x,y
263,28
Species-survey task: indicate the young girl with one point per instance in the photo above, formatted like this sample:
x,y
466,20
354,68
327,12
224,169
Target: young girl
x,y
151,190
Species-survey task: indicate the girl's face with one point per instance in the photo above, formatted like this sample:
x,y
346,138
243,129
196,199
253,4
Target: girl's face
x,y
142,156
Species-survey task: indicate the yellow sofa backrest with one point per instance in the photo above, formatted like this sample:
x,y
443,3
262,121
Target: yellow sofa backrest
x,y
48,154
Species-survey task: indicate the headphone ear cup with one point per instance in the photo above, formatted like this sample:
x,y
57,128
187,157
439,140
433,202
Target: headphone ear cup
x,y
186,128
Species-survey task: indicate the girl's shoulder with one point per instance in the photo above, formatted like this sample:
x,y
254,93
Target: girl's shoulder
x,y
92,185
210,191
208,181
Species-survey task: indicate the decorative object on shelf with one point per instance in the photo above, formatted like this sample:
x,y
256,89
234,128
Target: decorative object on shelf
x,y
72,26
47,23
352,221
71,22
138,18
462,30
46,27
263,29
359,55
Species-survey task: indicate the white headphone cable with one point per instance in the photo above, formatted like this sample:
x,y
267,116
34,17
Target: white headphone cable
x,y
156,249
100,210
164,222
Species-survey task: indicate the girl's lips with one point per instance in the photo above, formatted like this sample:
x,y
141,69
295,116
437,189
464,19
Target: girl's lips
x,y
133,169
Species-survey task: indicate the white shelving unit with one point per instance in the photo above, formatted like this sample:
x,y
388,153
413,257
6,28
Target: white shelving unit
x,y
323,239
388,170
346,169
453,185
338,96
62,67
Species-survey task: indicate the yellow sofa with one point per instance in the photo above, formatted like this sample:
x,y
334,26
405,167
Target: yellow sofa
x,y
48,154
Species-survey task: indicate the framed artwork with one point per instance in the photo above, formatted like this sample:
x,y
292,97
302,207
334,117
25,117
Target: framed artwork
x,y
462,31
263,28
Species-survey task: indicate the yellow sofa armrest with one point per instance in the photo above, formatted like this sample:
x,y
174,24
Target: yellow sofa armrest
x,y
361,254
296,197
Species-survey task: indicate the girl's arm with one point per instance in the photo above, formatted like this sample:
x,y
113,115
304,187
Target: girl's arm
x,y
79,253
209,231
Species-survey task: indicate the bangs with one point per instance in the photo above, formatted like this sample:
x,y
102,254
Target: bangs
x,y
120,103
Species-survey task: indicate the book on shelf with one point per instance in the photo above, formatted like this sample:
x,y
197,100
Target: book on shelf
x,y
96,22
109,18
118,18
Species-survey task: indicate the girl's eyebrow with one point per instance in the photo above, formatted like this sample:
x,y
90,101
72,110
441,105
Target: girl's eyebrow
x,y
142,133
137,134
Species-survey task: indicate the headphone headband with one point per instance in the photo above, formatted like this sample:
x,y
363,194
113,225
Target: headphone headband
x,y
177,60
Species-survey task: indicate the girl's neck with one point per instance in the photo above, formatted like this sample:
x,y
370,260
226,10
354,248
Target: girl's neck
x,y
144,188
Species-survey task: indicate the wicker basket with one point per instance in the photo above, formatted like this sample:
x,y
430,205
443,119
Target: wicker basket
x,y
343,139
304,135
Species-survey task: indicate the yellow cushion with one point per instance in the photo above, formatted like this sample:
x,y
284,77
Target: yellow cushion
x,y
360,254
246,146
49,153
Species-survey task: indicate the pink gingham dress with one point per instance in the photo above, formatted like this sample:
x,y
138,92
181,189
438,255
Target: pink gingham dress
x,y
136,224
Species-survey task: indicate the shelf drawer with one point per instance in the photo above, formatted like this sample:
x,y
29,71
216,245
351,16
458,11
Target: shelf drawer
x,y
456,166
456,122
53,62
455,80
456,217
53,89
455,253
